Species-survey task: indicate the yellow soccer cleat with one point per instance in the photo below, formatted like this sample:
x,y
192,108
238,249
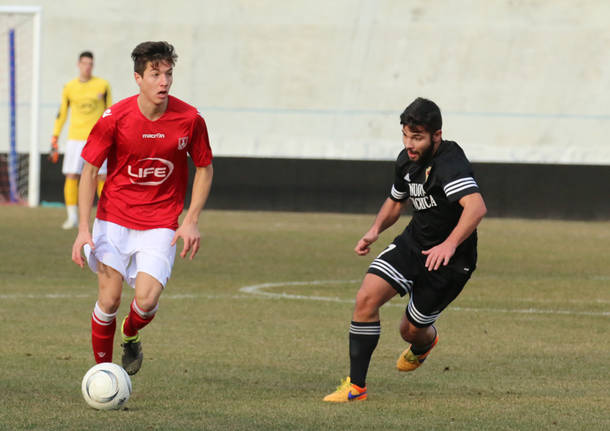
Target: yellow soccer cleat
x,y
346,392
408,361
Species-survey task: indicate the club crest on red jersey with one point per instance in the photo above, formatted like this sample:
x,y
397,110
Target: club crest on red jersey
x,y
183,142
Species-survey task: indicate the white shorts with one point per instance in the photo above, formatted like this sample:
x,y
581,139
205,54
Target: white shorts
x,y
130,251
73,162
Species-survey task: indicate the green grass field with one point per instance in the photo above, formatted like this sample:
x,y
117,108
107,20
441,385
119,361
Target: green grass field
x,y
526,346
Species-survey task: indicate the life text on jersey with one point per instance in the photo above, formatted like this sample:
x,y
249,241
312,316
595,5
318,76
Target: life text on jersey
x,y
150,171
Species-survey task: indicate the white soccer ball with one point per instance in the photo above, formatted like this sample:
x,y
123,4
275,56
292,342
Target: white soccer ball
x,y
106,386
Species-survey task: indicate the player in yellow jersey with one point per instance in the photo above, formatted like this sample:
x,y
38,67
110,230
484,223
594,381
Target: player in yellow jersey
x,y
87,97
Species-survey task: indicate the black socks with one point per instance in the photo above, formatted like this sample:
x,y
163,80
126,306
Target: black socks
x,y
420,350
363,338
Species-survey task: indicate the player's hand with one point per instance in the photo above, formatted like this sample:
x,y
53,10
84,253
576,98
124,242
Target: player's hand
x,y
363,246
191,237
83,237
437,255
54,153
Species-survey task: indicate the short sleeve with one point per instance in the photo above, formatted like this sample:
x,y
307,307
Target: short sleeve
x,y
100,139
457,178
399,191
199,145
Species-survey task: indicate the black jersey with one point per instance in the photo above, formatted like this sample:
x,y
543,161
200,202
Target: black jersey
x,y
434,189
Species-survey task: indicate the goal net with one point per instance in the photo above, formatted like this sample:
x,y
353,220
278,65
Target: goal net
x,y
19,104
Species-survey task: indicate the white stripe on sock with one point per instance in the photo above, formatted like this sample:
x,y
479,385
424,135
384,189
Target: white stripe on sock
x,y
365,330
144,314
102,318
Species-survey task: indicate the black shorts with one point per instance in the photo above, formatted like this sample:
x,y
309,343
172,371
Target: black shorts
x,y
430,291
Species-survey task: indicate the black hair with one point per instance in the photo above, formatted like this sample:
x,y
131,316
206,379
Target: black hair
x,y
154,52
422,113
87,54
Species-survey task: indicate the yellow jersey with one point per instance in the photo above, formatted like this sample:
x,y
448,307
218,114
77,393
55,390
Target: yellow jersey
x,y
87,102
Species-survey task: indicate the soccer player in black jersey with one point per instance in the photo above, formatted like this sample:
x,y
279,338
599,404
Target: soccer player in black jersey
x,y
431,260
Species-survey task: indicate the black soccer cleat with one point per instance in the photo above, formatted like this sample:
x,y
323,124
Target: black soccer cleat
x,y
132,353
132,356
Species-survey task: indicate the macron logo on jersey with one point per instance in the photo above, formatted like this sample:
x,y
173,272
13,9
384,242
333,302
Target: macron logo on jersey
x,y
107,113
153,135
150,171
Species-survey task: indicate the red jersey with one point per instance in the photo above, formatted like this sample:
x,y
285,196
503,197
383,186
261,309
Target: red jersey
x,y
147,162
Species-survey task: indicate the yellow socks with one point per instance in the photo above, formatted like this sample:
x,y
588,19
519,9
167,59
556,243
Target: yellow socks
x,y
100,186
71,191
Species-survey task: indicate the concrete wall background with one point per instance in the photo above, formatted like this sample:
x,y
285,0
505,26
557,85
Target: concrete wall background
x,y
517,80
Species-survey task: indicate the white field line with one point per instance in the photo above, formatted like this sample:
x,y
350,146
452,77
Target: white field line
x,y
44,295
92,295
257,290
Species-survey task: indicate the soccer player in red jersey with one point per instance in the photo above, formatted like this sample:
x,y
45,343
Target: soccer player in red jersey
x,y
146,139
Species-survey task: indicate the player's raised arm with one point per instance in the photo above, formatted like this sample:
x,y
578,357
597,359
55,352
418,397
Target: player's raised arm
x,y
86,193
388,214
188,230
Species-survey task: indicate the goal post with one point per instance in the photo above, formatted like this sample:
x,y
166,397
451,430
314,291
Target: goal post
x,y
20,31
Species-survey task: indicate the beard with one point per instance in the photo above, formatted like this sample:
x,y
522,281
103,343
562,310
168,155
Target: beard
x,y
426,155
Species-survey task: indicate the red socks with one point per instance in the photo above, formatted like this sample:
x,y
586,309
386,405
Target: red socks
x,y
137,319
103,326
102,334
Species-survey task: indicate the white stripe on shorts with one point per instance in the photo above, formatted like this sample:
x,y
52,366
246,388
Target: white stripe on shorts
x,y
419,317
391,272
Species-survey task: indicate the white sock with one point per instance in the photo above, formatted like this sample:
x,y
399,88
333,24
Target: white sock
x,y
72,211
